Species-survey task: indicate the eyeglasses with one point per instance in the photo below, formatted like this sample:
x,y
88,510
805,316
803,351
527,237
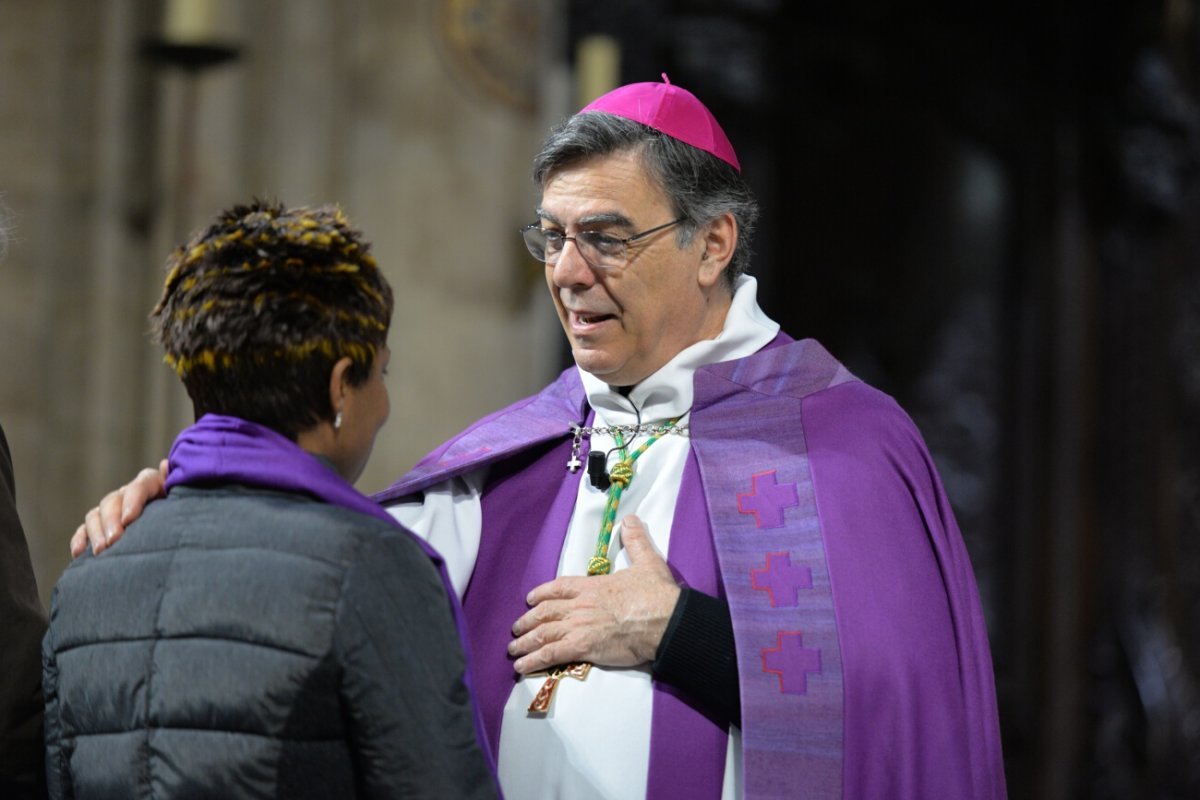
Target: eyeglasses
x,y
598,249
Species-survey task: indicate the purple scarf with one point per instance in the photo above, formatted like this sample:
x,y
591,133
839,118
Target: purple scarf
x,y
221,449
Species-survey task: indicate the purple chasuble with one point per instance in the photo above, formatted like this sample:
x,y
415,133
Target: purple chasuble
x,y
222,449
862,653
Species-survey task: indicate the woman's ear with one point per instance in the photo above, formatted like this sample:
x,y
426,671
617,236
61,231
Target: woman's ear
x,y
720,240
339,388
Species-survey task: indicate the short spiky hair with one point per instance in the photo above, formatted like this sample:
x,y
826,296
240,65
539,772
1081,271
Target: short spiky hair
x,y
258,308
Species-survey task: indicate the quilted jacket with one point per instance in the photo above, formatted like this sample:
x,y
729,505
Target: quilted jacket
x,y
238,642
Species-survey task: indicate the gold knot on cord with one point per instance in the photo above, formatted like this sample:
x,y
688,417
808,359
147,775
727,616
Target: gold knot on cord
x,y
621,474
598,565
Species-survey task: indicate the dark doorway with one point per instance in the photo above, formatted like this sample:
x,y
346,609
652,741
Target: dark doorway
x,y
991,213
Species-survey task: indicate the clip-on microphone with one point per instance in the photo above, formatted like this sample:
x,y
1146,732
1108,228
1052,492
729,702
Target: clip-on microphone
x,y
597,469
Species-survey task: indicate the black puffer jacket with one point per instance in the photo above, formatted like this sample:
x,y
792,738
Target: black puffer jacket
x,y
247,643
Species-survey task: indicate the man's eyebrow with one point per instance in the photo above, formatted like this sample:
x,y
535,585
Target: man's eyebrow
x,y
606,218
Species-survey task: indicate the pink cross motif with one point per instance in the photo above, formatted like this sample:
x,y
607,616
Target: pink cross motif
x,y
792,662
782,579
767,499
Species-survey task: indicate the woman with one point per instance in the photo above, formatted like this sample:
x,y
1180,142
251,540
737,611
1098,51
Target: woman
x,y
267,630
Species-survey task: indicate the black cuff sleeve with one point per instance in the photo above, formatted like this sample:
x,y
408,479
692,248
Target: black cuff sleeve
x,y
697,654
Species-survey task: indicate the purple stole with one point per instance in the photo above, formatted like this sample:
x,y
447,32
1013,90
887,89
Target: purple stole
x,y
222,449
749,502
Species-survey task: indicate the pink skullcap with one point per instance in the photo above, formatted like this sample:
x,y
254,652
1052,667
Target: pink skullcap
x,y
672,110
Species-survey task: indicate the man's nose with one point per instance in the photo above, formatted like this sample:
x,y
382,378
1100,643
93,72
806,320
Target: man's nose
x,y
571,268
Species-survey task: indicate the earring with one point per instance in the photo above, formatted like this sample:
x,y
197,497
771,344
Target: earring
x,y
337,421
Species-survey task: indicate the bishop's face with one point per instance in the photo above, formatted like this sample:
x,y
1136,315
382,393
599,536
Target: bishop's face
x,y
625,323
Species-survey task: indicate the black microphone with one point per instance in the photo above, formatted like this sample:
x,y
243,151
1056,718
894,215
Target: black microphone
x,y
597,469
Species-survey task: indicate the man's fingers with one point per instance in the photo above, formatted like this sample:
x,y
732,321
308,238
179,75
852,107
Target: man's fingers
x,y
109,524
148,485
96,526
79,541
557,589
547,611
635,538
105,523
551,654
540,661
611,620
538,638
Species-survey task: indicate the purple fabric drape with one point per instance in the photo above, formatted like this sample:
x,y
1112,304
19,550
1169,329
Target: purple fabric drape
x,y
862,654
519,549
687,750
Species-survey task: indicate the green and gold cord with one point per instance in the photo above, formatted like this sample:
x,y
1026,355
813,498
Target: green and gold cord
x,y
620,476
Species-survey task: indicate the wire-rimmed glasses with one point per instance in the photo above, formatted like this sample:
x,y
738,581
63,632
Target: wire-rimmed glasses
x,y
599,249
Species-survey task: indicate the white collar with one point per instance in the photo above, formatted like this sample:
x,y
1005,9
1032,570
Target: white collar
x,y
668,392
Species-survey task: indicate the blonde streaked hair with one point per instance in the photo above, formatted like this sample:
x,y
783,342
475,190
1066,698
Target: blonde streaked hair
x,y
257,308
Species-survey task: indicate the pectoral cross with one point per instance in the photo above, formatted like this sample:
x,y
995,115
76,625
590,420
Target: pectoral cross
x,y
541,703
577,433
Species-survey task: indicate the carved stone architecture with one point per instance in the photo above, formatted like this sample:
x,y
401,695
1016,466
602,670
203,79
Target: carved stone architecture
x,y
111,151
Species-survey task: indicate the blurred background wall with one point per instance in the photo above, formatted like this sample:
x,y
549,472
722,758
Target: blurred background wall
x,y
991,212
127,124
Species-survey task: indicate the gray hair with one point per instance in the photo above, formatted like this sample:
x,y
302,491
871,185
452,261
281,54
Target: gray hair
x,y
700,186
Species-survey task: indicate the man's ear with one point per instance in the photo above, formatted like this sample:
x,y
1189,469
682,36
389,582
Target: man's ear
x,y
720,238
339,384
